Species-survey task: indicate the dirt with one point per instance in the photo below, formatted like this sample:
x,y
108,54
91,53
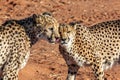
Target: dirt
x,y
45,61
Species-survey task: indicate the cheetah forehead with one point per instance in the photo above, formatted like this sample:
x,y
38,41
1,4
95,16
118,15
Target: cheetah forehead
x,y
63,28
45,20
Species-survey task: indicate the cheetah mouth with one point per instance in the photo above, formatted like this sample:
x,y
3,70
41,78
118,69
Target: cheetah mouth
x,y
63,42
57,40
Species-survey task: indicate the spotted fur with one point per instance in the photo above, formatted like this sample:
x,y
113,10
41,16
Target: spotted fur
x,y
97,45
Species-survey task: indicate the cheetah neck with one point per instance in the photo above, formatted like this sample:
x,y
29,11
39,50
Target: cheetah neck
x,y
29,25
72,39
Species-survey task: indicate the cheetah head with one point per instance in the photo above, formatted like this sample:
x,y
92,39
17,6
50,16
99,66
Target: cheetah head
x,y
48,26
67,32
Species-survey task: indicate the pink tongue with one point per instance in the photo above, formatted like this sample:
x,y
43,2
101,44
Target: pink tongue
x,y
57,40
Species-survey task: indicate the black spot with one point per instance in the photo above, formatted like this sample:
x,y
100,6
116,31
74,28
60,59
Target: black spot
x,y
108,53
109,57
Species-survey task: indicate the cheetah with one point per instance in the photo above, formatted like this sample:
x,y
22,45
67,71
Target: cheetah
x,y
16,39
97,45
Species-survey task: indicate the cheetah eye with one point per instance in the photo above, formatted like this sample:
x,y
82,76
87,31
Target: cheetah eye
x,y
51,29
68,32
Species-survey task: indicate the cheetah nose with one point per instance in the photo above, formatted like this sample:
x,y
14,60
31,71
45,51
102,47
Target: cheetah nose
x,y
57,38
63,39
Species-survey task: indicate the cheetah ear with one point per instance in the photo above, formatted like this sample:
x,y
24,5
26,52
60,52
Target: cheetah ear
x,y
34,16
72,23
47,13
75,22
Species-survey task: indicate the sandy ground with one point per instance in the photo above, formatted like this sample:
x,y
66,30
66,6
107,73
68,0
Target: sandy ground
x,y
45,61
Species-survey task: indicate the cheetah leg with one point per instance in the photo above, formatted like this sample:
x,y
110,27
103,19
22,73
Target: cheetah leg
x,y
72,66
72,71
10,71
98,69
